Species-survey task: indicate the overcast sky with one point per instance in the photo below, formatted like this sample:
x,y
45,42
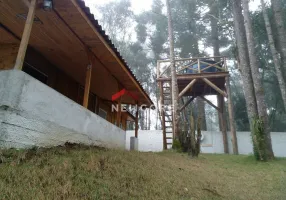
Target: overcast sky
x,y
142,5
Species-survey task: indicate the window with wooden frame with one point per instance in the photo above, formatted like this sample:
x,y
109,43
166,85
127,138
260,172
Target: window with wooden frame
x,y
102,113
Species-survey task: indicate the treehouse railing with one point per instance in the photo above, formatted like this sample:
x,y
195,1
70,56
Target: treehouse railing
x,y
192,66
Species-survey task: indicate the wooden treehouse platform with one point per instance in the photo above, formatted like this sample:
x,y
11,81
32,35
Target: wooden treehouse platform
x,y
200,87
196,78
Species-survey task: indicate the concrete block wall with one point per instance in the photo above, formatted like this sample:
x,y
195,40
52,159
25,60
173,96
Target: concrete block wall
x,y
33,114
212,142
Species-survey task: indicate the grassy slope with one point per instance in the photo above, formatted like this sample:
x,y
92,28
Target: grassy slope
x,y
90,173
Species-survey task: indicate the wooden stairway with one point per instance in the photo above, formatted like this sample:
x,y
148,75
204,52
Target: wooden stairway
x,y
167,115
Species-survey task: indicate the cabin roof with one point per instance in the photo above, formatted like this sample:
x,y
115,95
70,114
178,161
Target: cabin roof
x,y
96,24
62,35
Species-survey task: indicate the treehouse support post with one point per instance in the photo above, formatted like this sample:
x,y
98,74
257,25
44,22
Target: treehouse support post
x,y
231,119
221,113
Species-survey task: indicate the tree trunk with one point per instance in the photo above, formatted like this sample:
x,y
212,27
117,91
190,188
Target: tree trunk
x,y
176,115
244,61
275,54
258,87
278,17
214,15
201,113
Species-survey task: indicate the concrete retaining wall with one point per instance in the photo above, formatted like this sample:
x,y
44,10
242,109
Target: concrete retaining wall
x,y
211,143
33,114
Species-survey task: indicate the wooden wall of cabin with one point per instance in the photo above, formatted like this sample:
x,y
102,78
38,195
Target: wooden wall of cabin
x,y
8,54
112,116
65,85
57,79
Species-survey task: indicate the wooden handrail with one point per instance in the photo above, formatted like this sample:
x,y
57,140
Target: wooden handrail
x,y
193,61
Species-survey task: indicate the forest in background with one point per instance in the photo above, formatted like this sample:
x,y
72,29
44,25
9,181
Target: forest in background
x,y
142,39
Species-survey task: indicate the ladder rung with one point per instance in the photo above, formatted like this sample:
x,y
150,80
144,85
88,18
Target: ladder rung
x,y
168,126
169,143
169,138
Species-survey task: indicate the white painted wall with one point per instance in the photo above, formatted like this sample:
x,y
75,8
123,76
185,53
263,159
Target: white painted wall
x,y
212,142
33,114
147,140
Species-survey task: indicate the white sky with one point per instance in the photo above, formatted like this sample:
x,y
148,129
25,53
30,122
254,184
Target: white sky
x,y
143,5
137,5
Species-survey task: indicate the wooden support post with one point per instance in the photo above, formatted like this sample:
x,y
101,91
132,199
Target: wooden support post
x,y
26,36
209,102
207,81
162,112
187,88
97,103
87,86
231,119
223,123
199,66
119,112
219,118
136,121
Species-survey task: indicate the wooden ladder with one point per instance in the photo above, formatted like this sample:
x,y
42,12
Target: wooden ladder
x,y
167,115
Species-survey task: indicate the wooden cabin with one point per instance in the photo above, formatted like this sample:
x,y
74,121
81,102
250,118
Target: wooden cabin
x,y
64,47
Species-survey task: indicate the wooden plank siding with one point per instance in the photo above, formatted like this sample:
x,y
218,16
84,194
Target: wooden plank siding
x,y
8,54
57,79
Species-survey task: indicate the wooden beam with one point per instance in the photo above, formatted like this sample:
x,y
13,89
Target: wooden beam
x,y
231,119
213,65
119,112
214,87
158,69
188,87
26,36
88,77
197,76
87,85
209,102
195,58
221,114
199,66
168,67
162,115
136,121
187,66
97,105
100,37
187,103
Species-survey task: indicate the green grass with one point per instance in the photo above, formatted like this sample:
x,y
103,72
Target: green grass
x,y
93,173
